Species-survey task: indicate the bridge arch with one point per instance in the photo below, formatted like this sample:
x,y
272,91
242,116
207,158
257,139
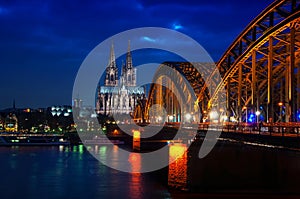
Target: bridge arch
x,y
260,71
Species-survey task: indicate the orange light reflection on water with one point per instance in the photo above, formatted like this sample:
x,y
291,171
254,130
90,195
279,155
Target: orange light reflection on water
x,y
177,176
135,186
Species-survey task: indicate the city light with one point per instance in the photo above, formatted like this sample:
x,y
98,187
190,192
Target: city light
x,y
223,118
257,113
251,117
213,115
188,116
159,118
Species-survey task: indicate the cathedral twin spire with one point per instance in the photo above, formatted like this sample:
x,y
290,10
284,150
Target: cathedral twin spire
x,y
119,95
111,78
112,58
128,58
128,77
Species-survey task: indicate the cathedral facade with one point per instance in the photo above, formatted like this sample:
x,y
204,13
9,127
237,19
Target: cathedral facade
x,y
119,94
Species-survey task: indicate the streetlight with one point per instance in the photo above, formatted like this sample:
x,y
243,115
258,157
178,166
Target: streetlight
x,y
188,116
159,119
171,117
245,108
257,113
280,104
213,115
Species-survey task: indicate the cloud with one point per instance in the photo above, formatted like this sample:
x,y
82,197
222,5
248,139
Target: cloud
x,y
145,38
177,26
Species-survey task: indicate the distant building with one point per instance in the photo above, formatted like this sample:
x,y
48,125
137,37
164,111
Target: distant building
x,y
61,110
77,103
11,123
119,95
1,124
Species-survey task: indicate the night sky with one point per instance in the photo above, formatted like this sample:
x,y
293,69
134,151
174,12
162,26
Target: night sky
x,y
43,43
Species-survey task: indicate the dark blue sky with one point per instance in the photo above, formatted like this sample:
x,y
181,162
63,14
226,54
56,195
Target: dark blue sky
x,y
43,43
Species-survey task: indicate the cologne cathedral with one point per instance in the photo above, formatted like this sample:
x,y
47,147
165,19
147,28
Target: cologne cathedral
x,y
119,95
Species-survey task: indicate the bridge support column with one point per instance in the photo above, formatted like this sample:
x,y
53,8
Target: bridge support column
x,y
292,100
253,89
228,104
136,142
287,105
270,81
239,105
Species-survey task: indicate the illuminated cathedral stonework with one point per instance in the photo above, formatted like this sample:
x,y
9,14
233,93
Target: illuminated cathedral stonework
x,y
119,95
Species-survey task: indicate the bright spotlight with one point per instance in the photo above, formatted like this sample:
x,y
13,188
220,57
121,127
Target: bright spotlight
x,y
188,116
213,115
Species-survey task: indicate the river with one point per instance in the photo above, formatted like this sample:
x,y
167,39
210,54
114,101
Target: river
x,y
70,172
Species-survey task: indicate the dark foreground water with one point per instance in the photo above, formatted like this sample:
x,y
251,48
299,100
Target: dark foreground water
x,y
70,172
231,170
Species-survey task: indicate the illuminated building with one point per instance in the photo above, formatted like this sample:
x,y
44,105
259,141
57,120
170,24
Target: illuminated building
x,y
119,95
11,123
1,124
77,103
61,110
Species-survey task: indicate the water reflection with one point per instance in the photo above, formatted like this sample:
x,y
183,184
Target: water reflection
x,y
61,148
178,166
135,162
135,184
115,156
71,172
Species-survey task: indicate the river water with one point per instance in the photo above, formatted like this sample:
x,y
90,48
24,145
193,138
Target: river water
x,y
70,172
230,171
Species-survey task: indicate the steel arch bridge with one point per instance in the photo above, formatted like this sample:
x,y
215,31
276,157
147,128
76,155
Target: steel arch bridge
x,y
181,79
260,72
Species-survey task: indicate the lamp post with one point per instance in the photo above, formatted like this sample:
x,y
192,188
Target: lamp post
x,y
257,113
245,108
280,104
171,117
188,117
214,116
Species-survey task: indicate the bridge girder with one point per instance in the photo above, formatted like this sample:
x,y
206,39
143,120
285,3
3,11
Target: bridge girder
x,y
167,96
260,70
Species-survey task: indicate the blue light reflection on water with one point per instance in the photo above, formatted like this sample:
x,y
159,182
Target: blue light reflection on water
x,y
65,172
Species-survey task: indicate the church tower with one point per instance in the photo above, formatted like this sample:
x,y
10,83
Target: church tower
x,y
129,72
119,96
111,78
128,58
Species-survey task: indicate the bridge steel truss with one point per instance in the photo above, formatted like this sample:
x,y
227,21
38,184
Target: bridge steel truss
x,y
260,72
168,85
260,69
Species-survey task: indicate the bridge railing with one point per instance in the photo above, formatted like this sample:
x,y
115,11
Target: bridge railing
x,y
290,129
